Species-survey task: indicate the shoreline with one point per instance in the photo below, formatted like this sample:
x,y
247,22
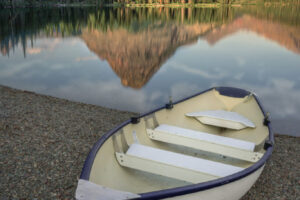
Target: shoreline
x,y
152,5
45,140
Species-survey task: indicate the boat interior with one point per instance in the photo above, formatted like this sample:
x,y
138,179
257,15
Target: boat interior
x,y
203,138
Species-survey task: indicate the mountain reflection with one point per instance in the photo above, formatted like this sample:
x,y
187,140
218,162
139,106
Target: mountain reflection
x,y
136,42
285,35
135,57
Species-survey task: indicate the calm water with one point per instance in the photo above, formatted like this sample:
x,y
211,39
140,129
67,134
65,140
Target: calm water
x,y
134,59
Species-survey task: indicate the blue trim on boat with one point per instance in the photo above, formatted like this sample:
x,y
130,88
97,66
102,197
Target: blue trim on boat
x,y
227,91
232,92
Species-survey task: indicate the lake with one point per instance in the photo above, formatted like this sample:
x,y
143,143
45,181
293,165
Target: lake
x,y
134,59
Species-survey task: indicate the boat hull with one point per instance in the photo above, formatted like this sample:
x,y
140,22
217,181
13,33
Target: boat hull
x,y
231,191
114,156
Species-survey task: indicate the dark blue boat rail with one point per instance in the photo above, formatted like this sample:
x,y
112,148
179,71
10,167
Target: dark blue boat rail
x,y
167,193
230,92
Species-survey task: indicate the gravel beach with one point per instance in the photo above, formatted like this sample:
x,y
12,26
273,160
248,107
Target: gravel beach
x,y
45,140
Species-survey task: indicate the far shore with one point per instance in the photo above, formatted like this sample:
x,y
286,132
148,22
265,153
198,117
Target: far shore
x,y
154,5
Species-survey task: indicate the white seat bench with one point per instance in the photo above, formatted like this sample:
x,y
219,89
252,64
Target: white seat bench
x,y
226,146
222,118
173,165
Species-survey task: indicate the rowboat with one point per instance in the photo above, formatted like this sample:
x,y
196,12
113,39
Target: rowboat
x,y
212,145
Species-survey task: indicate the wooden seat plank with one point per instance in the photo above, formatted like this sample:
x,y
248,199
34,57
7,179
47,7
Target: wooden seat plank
x,y
230,147
174,165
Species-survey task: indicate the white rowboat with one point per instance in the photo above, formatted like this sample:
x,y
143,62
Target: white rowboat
x,y
212,145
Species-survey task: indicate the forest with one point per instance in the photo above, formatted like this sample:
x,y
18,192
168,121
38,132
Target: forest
x,y
59,3
42,3
21,25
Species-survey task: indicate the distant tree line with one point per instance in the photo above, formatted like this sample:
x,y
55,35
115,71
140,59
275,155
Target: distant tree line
x,y
45,3
28,3
41,3
18,26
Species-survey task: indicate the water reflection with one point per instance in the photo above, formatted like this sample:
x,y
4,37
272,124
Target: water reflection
x,y
135,57
285,35
84,54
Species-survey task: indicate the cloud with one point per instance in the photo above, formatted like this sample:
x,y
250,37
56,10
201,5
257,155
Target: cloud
x,y
283,84
240,61
53,44
278,96
239,76
18,68
183,89
202,73
156,95
74,42
87,58
109,94
32,51
48,44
